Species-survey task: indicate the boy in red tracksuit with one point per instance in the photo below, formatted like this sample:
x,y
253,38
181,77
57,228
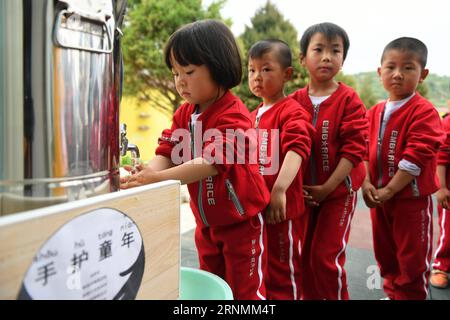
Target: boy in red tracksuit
x,y
227,192
335,170
404,137
269,68
441,264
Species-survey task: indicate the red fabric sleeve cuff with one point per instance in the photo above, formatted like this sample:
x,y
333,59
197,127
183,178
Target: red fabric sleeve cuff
x,y
298,151
354,160
164,150
416,161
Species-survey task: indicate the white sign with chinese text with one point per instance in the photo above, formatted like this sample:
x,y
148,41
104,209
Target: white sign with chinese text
x,y
98,255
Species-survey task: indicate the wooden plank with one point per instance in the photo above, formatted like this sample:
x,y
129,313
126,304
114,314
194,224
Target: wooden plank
x,y
154,208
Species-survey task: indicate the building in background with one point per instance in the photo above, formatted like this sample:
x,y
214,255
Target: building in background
x,y
144,124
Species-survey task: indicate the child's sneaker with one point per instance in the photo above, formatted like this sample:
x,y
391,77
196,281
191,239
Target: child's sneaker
x,y
439,279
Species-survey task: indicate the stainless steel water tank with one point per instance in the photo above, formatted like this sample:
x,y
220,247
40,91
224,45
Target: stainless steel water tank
x,y
59,102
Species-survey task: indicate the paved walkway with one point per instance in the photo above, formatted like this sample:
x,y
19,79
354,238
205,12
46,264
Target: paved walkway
x,y
361,267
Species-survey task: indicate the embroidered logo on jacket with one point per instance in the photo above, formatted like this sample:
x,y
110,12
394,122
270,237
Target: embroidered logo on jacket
x,y
391,153
263,151
210,191
324,146
252,259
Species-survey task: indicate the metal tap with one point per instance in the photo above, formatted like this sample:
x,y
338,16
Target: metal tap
x,y
134,151
126,146
123,139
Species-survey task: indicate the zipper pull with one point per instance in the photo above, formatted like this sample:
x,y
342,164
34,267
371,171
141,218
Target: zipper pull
x,y
316,114
257,122
348,182
229,187
234,197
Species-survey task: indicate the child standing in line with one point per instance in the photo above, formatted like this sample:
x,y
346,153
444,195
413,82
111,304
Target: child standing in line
x,y
226,198
404,136
269,68
441,264
335,170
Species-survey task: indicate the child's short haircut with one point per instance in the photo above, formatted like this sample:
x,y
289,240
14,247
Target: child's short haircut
x,y
281,49
329,30
411,45
210,43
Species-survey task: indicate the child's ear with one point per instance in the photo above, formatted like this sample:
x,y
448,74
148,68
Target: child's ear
x,y
288,73
379,72
302,59
424,75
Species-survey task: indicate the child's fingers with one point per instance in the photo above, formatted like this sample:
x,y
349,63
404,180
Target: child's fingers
x,y
369,197
306,195
271,219
134,183
278,216
445,204
124,182
125,185
269,215
128,168
130,181
312,203
282,214
374,194
371,204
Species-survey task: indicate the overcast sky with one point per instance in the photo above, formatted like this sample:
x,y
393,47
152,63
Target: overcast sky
x,y
370,24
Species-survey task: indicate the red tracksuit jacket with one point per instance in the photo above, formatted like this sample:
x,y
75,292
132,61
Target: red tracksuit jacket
x,y
238,192
413,133
444,151
295,131
341,129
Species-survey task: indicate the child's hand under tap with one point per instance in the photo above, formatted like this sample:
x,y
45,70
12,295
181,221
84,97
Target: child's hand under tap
x,y
139,176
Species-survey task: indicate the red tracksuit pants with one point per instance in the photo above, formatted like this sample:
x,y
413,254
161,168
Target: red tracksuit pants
x,y
284,248
323,253
236,253
442,254
402,241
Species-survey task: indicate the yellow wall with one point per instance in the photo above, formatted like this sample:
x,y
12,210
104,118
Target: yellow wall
x,y
144,125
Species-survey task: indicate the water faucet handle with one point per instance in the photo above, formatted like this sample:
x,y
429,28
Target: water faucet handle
x,y
123,139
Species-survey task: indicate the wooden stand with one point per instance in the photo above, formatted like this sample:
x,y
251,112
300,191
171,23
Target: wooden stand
x,y
154,208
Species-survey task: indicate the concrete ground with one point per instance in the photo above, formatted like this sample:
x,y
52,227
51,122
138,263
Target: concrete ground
x,y
361,267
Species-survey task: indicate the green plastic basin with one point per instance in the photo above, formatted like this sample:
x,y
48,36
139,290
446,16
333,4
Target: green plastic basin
x,y
197,284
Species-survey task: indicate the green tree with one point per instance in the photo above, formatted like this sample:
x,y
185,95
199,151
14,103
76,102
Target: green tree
x,y
148,25
423,89
269,23
366,93
346,78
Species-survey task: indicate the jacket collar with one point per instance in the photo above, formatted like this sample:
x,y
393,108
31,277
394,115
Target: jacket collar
x,y
215,108
341,87
410,102
274,106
